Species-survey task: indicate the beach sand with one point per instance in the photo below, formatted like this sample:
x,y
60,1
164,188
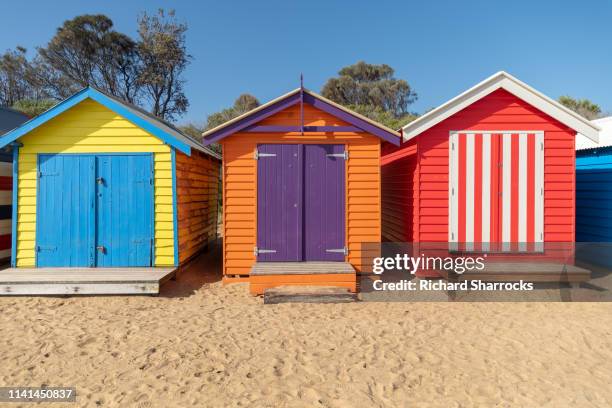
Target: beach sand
x,y
202,344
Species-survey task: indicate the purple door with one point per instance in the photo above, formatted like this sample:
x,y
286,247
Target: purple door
x,y
324,207
300,203
279,202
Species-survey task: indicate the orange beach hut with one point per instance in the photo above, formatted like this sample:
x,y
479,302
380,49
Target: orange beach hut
x,y
301,192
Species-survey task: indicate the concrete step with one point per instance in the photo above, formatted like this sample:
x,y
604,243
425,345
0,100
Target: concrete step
x,y
308,294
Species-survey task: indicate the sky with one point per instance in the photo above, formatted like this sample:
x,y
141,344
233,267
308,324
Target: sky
x,y
440,47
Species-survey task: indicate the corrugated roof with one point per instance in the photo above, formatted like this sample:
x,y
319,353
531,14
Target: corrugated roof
x,y
605,135
10,119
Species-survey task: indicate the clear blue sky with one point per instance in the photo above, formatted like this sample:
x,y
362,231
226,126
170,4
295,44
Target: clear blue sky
x,y
440,48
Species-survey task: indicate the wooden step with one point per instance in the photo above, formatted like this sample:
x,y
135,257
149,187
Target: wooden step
x,y
265,275
301,268
308,294
83,281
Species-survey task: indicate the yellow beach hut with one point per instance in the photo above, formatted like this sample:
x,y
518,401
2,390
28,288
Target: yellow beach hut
x,y
99,182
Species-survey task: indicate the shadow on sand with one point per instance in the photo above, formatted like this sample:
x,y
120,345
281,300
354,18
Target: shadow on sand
x,y
202,271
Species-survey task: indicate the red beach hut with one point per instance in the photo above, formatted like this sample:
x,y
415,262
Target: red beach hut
x,y
491,170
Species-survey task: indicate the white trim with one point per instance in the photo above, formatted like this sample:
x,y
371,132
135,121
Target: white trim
x,y
539,188
515,87
522,191
486,185
506,223
469,191
453,188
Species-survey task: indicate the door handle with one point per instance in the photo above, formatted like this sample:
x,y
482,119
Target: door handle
x,y
100,180
101,248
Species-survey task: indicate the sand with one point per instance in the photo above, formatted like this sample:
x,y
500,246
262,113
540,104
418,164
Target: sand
x,y
202,344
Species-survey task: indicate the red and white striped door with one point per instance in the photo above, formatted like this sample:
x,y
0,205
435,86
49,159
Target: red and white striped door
x,y
496,190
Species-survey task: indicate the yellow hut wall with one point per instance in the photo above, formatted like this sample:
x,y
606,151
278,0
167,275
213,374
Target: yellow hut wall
x,y
363,208
89,127
197,184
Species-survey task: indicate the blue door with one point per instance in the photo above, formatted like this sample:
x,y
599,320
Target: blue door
x,y
65,210
124,211
95,210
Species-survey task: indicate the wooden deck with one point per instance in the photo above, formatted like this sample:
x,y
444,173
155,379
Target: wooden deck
x,y
83,281
265,275
531,272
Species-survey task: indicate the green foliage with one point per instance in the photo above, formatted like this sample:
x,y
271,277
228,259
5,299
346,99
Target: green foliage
x,y
34,107
373,91
195,130
383,117
583,107
242,104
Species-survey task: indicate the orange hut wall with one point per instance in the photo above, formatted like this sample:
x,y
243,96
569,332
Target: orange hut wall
x,y
197,190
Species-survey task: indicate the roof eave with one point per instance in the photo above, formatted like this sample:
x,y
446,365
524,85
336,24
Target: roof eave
x,y
289,99
155,127
512,85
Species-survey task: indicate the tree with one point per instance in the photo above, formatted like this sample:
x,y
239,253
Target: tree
x,y
373,91
242,104
17,78
583,107
164,58
34,107
88,51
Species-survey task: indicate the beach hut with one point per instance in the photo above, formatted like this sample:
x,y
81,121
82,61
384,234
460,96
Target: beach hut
x,y
594,196
301,192
493,169
9,119
605,135
102,183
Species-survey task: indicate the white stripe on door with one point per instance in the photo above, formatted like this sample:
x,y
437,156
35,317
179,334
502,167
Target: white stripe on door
x,y
522,190
486,191
469,192
506,189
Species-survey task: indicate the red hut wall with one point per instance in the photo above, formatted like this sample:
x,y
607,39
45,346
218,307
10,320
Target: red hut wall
x,y
417,209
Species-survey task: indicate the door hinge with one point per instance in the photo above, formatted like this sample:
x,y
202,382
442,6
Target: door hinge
x,y
452,235
344,251
258,251
344,155
258,155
